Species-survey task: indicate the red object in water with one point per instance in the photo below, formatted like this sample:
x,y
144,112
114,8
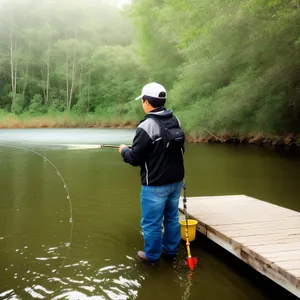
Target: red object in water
x,y
192,262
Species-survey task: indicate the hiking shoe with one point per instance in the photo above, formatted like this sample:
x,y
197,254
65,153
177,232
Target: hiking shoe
x,y
141,255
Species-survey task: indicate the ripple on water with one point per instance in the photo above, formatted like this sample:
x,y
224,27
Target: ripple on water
x,y
82,282
101,284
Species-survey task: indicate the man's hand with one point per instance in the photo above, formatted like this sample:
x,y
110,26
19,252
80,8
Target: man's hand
x,y
122,147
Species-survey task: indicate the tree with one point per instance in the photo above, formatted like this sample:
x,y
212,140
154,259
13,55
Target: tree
x,y
47,49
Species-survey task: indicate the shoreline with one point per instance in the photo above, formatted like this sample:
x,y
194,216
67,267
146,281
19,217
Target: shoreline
x,y
289,140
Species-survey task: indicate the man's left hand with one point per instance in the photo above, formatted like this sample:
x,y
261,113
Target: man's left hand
x,y
122,147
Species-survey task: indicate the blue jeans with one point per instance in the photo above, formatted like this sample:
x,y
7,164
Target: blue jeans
x,y
160,206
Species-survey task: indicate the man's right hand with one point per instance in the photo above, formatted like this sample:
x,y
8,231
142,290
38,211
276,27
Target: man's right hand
x,y
122,147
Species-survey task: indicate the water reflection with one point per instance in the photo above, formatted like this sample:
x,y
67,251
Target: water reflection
x,y
100,284
62,136
81,280
35,222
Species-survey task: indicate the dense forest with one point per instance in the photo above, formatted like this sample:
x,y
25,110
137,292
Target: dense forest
x,y
231,67
65,55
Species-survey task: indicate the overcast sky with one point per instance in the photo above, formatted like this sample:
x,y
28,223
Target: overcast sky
x,y
119,2
123,2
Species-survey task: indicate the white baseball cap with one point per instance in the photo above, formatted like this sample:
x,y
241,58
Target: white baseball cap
x,y
154,90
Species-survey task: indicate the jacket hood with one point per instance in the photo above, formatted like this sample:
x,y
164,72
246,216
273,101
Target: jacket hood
x,y
161,112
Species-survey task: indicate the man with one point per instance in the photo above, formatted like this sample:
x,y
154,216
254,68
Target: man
x,y
162,173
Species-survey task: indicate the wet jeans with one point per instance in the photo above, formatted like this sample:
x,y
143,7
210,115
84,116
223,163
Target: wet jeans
x,y
160,206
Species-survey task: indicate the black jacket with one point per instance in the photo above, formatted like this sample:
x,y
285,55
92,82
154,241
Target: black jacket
x,y
159,165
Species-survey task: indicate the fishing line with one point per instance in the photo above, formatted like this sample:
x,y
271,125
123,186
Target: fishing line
x,y
223,141
66,189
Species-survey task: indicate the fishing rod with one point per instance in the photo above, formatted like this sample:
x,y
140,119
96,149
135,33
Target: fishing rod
x,y
108,146
74,147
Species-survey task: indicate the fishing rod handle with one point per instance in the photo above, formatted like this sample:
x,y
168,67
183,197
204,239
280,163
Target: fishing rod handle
x,y
109,146
112,146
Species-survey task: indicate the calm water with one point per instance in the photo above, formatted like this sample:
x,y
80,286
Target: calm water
x,y
83,247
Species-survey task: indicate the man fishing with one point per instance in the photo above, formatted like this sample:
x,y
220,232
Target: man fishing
x,y
158,149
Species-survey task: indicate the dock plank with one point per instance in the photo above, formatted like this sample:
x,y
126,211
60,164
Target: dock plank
x,y
290,265
270,240
279,248
284,256
296,273
287,224
263,235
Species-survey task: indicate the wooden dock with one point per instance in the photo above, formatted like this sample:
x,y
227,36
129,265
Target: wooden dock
x,y
265,236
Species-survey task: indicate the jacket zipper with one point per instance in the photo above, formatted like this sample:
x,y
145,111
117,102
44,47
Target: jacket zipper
x,y
147,174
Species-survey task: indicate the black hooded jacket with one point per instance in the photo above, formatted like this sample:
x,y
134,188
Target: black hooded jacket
x,y
159,165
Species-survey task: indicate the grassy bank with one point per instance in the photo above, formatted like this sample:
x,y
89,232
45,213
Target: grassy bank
x,y
64,120
70,120
271,140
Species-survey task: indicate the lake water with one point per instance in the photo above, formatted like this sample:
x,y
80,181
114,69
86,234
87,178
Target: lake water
x,y
69,219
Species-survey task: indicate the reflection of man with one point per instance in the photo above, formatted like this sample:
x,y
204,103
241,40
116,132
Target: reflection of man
x,y
162,173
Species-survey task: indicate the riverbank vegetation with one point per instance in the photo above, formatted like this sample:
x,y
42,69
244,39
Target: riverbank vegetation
x,y
231,67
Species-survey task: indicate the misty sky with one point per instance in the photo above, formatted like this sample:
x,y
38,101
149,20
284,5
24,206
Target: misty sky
x,y
120,2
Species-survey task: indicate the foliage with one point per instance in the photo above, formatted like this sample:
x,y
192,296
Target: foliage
x,y
229,65
17,103
63,55
239,69
36,105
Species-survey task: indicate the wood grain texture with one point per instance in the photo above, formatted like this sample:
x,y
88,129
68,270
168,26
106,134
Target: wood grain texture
x,y
263,235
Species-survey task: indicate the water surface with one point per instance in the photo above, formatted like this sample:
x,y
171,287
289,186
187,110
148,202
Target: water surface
x,y
52,247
